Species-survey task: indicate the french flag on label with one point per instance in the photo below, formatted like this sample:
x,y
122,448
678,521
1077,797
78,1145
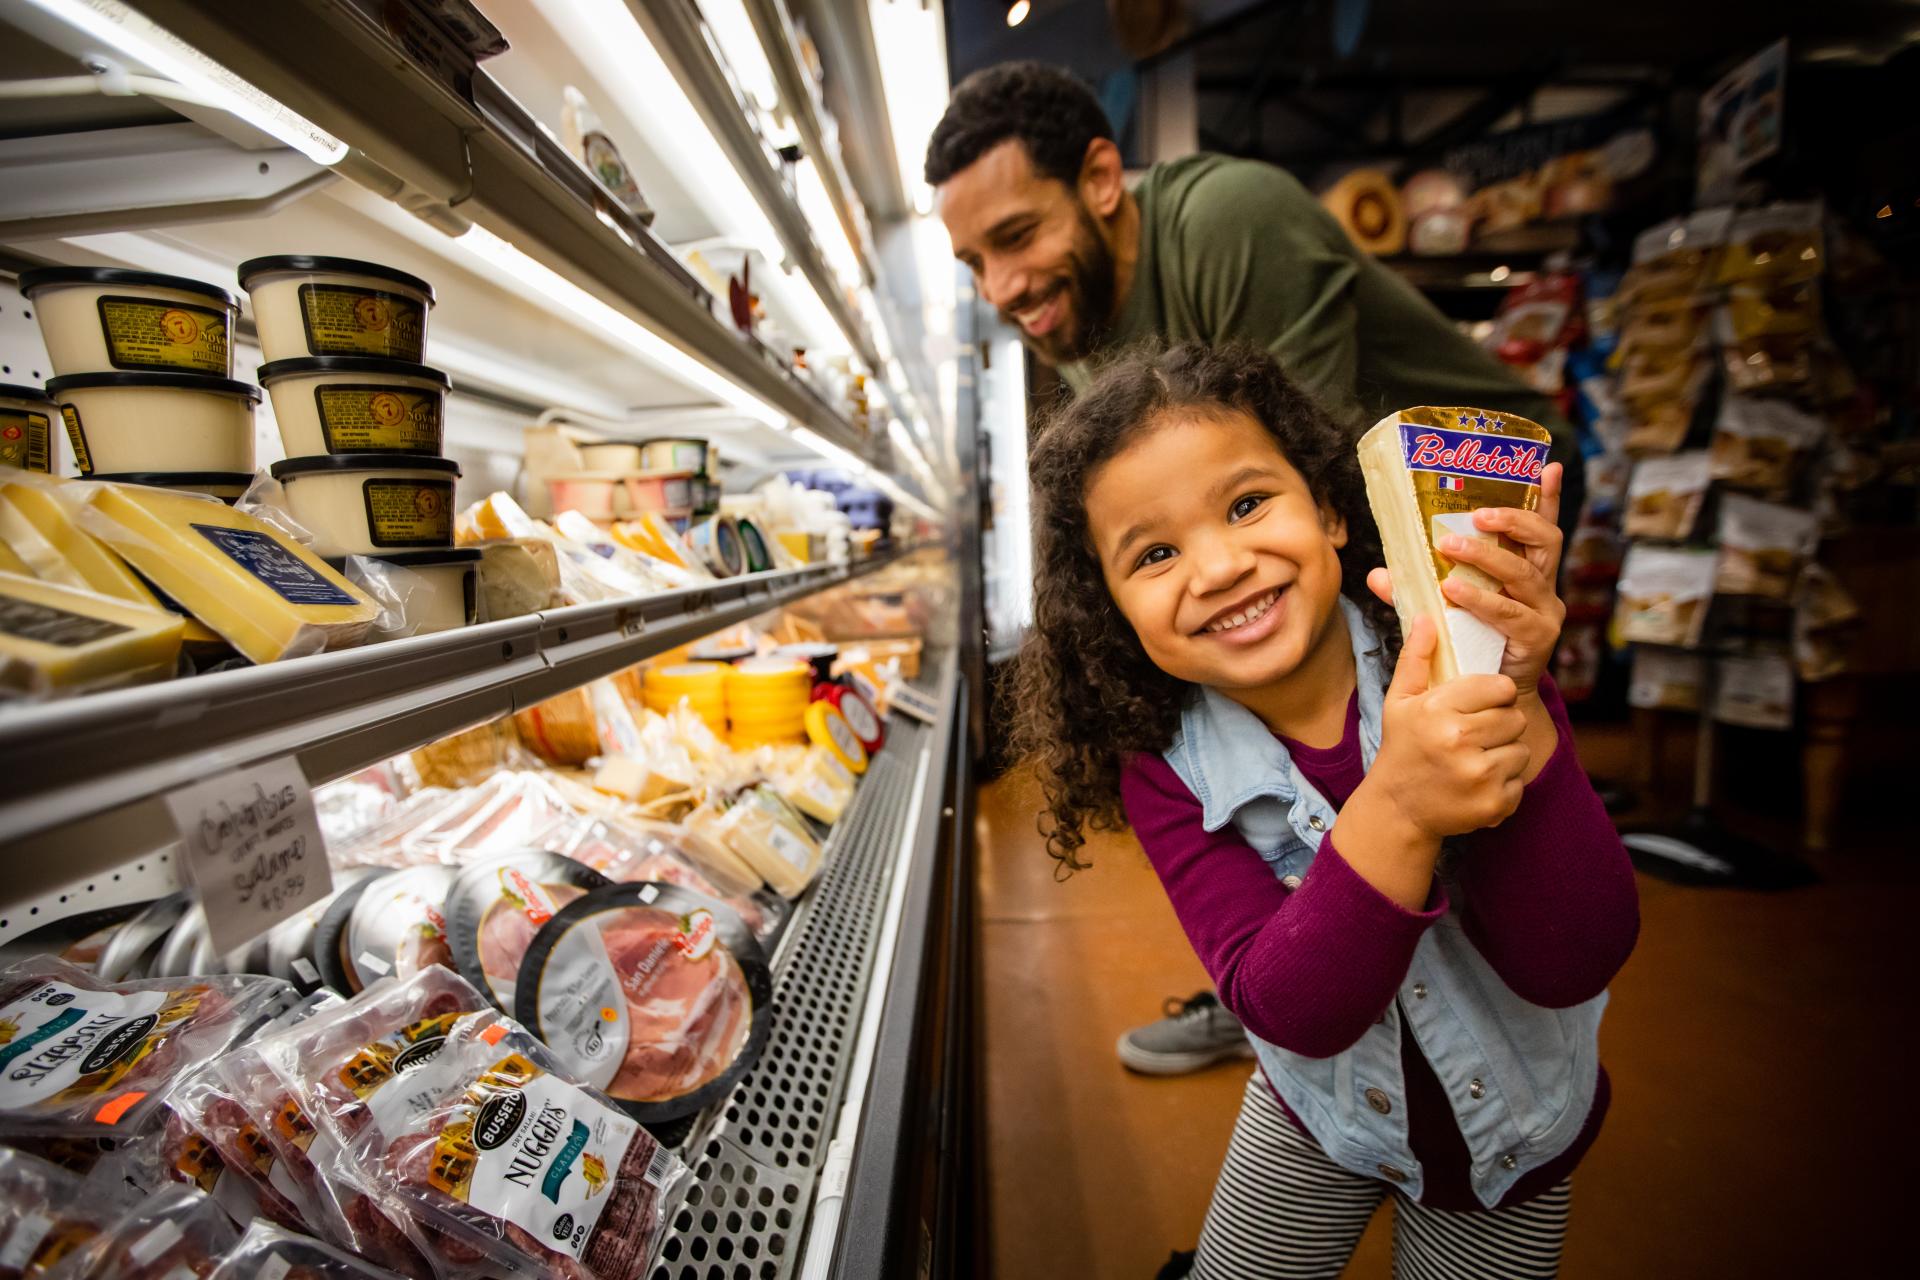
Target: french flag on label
x,y
1450,482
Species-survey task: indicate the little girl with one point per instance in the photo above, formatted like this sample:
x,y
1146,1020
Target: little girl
x,y
1410,896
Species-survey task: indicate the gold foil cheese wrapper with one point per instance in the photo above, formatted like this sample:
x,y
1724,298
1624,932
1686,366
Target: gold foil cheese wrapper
x,y
1427,470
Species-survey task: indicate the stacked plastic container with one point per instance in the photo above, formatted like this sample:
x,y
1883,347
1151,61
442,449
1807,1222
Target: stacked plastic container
x,y
363,421
143,380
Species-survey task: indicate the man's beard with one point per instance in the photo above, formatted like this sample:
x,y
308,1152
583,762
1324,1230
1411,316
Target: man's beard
x,y
1090,289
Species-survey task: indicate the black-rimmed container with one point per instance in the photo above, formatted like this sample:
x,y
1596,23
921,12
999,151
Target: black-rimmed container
x,y
120,422
316,306
366,504
112,320
659,996
228,486
498,906
356,404
26,428
437,590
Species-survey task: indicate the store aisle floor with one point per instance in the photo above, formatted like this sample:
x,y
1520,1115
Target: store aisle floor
x,y
1746,1039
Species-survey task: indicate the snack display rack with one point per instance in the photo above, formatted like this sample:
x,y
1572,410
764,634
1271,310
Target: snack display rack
x,y
804,1169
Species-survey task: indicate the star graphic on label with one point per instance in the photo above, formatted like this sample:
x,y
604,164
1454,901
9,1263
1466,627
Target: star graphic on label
x,y
1466,419
1481,421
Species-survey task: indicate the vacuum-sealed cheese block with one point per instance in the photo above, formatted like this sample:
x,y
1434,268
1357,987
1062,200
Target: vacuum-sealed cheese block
x,y
11,563
270,597
54,637
1428,469
519,577
41,531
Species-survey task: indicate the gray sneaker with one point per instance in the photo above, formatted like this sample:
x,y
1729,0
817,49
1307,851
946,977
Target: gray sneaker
x,y
1196,1033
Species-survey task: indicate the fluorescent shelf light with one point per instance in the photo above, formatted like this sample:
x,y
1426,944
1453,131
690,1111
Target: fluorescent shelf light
x,y
575,303
128,33
832,452
910,38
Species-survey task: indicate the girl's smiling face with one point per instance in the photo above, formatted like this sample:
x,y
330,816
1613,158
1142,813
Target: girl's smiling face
x,y
1215,551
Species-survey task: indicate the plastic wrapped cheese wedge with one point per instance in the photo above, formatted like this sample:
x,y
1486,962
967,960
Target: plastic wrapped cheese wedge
x,y
56,639
1428,469
270,597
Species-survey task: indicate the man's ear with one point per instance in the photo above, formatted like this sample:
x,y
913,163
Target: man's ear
x,y
1102,178
1335,524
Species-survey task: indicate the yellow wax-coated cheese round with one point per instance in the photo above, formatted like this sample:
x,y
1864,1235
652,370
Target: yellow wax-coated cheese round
x,y
829,729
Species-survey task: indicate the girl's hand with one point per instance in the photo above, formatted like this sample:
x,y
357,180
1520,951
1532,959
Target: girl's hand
x,y
1529,613
1451,758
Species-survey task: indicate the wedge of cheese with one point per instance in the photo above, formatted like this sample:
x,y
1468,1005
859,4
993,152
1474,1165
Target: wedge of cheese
x,y
269,596
519,577
11,563
42,529
55,638
1427,470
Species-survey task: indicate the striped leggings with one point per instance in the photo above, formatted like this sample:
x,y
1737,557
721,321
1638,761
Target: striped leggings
x,y
1283,1211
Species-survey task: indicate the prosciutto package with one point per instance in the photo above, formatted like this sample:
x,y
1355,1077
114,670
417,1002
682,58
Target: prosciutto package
x,y
526,1169
44,1216
363,1065
265,1250
496,906
93,1058
173,1234
660,996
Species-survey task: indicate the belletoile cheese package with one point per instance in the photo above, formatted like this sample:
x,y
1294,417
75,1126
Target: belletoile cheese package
x,y
1428,469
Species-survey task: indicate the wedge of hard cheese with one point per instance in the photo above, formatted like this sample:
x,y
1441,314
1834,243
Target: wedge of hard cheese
x,y
1428,469
55,638
268,595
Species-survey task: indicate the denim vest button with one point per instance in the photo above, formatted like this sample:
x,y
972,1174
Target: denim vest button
x,y
1476,1088
1378,1101
1419,991
1292,882
1392,1172
1317,822
1509,1162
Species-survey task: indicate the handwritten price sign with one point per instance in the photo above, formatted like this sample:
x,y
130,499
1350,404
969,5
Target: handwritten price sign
x,y
253,849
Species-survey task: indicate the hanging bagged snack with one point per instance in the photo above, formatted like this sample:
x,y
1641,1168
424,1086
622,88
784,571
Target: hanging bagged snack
x,y
1664,324
655,994
1665,679
1824,614
1661,424
1779,244
93,1058
496,907
1773,310
515,1165
1427,470
1674,259
1754,690
1765,361
1663,597
173,1234
1534,327
1762,547
1763,445
1665,495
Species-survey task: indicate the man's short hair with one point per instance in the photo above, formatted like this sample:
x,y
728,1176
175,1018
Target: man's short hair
x,y
1048,109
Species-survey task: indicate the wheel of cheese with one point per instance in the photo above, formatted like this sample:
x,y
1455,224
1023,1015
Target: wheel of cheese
x,y
1367,205
860,715
827,727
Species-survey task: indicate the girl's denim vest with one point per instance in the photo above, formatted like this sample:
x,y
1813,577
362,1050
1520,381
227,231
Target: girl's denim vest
x,y
1521,1077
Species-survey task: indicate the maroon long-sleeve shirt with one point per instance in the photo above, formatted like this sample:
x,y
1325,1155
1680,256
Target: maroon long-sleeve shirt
x,y
1548,897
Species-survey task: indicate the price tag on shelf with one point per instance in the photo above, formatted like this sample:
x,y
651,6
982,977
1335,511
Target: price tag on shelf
x,y
253,849
908,700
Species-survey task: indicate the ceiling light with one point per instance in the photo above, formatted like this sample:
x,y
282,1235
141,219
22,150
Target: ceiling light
x,y
129,33
1017,12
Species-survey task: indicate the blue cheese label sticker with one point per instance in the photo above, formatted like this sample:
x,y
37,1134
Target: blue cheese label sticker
x,y
268,559
253,849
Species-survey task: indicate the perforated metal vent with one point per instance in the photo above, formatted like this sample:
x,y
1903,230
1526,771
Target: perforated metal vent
x,y
755,1166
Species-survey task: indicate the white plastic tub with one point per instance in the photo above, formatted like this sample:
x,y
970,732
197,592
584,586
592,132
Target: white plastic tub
x,y
108,320
308,306
157,421
356,404
436,590
26,428
360,504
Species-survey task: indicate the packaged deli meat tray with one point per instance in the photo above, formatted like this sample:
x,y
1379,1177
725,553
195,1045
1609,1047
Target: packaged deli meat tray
x,y
658,995
497,906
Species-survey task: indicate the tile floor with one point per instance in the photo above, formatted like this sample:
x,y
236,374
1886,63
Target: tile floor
x,y
1755,1133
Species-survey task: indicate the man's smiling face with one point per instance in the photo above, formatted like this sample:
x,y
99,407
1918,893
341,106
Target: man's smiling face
x,y
1036,252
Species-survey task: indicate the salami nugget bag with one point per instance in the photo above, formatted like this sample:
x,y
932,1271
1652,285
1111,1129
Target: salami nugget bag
x,y
522,1169
1427,471
175,1234
267,1251
44,1215
95,1059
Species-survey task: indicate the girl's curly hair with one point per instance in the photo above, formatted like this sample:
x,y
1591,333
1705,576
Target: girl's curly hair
x,y
1087,696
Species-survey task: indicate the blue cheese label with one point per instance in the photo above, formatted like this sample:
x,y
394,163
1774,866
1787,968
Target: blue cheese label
x,y
270,561
534,1151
